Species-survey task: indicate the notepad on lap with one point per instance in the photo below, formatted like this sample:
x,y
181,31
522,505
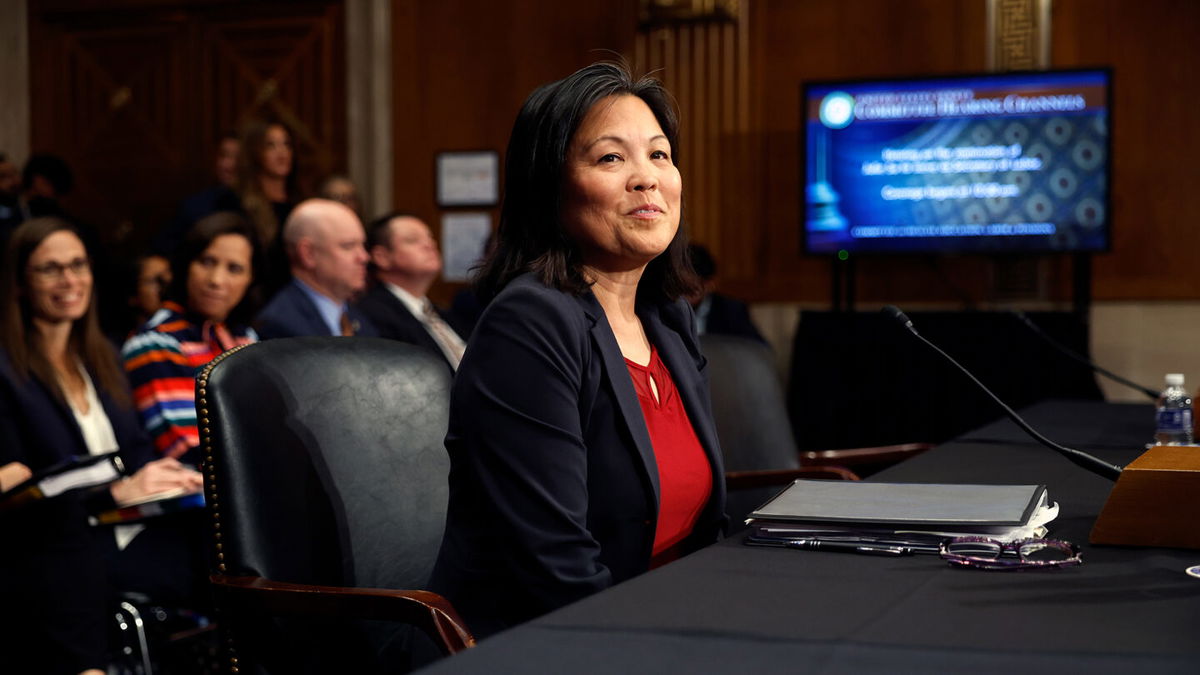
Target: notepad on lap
x,y
72,474
163,503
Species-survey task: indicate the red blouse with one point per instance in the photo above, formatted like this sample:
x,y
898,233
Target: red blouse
x,y
684,473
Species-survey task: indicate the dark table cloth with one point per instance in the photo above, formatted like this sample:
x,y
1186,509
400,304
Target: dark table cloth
x,y
733,608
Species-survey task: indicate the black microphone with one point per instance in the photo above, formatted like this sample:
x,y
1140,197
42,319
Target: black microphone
x,y
1078,457
1083,359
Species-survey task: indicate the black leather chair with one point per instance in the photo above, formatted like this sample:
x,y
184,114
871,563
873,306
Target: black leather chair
x,y
325,474
752,425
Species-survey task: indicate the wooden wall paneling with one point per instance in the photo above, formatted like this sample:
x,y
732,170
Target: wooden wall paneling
x,y
826,39
108,97
287,68
462,69
706,66
133,96
1151,46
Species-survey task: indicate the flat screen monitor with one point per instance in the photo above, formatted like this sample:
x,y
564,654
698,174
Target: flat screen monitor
x,y
967,164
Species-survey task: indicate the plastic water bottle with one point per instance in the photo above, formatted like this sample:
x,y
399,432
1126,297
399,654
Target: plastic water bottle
x,y
1174,414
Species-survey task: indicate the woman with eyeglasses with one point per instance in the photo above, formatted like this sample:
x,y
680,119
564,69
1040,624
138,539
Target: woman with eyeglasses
x,y
62,395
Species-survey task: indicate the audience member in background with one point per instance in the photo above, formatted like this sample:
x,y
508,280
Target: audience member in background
x,y
10,184
153,279
582,446
267,189
324,242
205,313
406,261
266,177
341,189
10,180
44,181
62,395
217,197
144,282
716,313
10,191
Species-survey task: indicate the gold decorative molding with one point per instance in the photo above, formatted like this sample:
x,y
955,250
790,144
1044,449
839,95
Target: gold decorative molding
x,y
120,98
1018,34
1018,38
659,13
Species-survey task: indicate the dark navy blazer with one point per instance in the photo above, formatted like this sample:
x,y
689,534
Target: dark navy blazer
x,y
292,313
39,430
49,554
393,320
554,487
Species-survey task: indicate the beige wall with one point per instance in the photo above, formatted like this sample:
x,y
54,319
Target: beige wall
x,y
14,81
1143,341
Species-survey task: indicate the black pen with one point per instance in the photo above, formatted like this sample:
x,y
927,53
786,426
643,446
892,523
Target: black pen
x,y
847,547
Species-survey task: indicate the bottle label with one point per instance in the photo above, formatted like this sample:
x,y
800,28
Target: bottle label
x,y
1174,419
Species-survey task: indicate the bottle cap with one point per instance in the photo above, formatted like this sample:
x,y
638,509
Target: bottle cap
x,y
1174,379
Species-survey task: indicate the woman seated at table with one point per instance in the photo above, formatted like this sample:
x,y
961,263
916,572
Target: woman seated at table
x,y
62,395
206,312
581,440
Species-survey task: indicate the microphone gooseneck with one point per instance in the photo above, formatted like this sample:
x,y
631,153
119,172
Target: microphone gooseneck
x,y
1079,458
1083,359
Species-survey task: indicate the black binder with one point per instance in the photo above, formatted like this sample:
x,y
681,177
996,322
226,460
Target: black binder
x,y
72,474
903,505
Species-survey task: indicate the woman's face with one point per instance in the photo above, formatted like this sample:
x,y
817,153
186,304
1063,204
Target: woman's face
x,y
621,192
154,276
276,156
59,279
218,277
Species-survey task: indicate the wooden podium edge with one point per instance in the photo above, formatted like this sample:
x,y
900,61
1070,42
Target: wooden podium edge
x,y
1155,502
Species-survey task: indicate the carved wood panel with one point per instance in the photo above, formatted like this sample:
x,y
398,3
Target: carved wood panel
x,y
706,65
135,96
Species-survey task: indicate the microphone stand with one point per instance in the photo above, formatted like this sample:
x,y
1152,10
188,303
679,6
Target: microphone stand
x,y
1079,458
1083,359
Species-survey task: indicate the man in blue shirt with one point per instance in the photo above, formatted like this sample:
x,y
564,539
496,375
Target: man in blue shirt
x,y
324,241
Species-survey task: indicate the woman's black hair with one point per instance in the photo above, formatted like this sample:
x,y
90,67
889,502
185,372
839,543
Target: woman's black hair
x,y
198,239
531,237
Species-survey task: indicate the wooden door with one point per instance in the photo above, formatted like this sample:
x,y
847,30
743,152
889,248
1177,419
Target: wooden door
x,y
135,96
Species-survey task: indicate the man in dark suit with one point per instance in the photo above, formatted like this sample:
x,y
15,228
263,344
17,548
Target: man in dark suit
x,y
407,261
324,243
716,313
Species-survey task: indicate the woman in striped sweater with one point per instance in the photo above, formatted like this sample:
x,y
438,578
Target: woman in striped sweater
x,y
206,313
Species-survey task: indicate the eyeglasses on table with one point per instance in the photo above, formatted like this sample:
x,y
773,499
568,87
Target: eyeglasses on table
x,y
990,554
